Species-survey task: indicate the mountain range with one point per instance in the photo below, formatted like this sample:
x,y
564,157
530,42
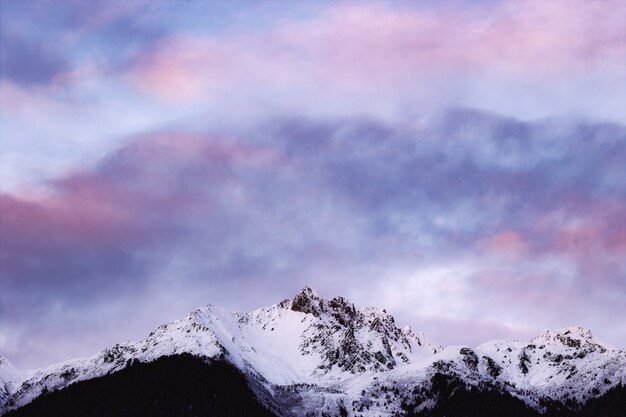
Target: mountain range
x,y
309,356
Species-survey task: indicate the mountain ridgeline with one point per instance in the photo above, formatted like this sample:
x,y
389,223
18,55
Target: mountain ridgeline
x,y
310,357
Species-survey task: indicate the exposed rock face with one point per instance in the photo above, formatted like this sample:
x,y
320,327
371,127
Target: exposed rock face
x,y
469,358
492,367
358,341
573,337
351,340
307,301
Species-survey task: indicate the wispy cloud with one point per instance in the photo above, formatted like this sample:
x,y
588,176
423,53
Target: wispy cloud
x,y
504,55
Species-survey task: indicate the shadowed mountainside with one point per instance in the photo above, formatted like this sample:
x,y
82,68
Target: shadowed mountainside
x,y
174,386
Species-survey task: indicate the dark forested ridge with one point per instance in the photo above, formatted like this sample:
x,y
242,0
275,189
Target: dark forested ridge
x,y
455,399
175,386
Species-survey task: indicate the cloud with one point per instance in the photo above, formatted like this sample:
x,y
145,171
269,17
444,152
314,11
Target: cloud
x,y
472,217
30,63
51,53
507,241
455,219
105,70
377,59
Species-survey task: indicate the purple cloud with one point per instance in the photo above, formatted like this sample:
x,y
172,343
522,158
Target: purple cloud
x,y
44,45
30,63
527,212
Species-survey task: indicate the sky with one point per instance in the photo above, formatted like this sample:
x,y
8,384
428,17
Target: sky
x,y
460,163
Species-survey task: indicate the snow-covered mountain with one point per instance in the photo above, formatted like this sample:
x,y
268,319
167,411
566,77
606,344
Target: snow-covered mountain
x,y
309,356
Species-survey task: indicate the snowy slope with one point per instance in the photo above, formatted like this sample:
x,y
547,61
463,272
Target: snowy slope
x,y
316,354
10,379
568,364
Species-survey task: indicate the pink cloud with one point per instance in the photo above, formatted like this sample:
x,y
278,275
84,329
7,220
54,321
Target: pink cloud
x,y
370,46
19,101
138,197
597,228
581,240
566,264
139,178
506,242
180,68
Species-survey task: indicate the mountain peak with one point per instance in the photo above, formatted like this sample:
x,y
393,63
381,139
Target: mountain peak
x,y
570,336
309,291
577,331
307,301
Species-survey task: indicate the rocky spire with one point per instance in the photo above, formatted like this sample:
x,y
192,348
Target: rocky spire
x,y
307,301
